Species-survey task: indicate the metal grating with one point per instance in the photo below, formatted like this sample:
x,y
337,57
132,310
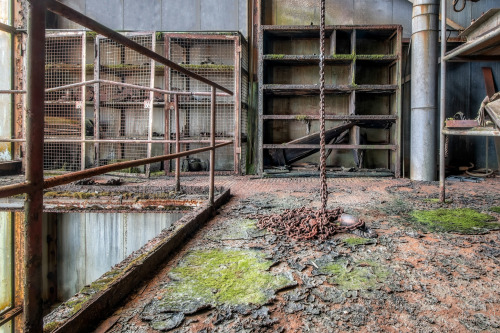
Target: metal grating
x,y
64,65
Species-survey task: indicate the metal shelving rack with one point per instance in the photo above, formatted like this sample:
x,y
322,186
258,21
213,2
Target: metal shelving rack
x,y
483,44
362,83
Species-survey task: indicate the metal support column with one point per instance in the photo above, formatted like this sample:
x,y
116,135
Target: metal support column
x,y
212,144
33,314
424,62
442,104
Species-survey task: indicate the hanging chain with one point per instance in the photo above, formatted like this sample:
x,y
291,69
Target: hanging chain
x,y
323,191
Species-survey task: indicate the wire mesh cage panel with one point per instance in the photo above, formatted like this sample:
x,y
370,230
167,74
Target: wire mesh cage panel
x,y
62,156
125,112
64,65
216,58
119,152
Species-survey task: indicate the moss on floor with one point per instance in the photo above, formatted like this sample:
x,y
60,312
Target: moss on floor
x,y
353,241
458,220
221,276
358,275
495,209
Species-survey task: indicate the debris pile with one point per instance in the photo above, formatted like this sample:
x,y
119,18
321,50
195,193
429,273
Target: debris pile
x,y
307,223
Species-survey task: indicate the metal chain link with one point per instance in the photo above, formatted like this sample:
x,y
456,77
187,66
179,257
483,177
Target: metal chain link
x,y
323,191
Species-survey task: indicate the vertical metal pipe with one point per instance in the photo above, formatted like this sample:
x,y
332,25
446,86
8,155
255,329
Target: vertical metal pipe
x,y
177,145
424,63
33,315
212,144
442,105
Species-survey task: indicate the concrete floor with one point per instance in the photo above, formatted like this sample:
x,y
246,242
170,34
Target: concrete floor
x,y
409,279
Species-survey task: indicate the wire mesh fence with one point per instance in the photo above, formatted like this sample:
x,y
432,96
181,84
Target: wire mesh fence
x,y
212,57
64,65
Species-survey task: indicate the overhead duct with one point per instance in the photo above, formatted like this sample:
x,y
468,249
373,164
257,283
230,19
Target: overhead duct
x,y
424,69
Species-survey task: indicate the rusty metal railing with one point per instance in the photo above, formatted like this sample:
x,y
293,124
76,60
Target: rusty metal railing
x,y
35,182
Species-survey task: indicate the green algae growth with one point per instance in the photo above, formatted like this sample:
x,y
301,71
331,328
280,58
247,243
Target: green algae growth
x,y
459,220
221,276
358,275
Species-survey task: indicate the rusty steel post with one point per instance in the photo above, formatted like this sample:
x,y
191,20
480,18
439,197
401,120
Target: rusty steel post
x,y
442,106
177,145
212,144
33,314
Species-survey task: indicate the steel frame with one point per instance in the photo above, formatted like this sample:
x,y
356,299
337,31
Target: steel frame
x,y
35,183
451,56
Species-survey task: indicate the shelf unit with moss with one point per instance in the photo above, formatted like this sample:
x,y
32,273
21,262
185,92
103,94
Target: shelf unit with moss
x,y
362,85
222,58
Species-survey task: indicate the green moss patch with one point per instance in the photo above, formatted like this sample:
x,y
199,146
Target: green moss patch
x,y
353,275
459,220
495,209
354,241
231,277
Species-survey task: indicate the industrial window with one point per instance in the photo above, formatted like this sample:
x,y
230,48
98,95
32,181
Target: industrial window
x,y
7,297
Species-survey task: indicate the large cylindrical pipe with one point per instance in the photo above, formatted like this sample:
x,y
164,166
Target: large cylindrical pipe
x,y
424,68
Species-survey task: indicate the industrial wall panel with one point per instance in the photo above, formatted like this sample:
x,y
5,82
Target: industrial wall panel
x,y
181,15
401,14
79,5
339,12
242,17
109,12
373,12
219,15
142,15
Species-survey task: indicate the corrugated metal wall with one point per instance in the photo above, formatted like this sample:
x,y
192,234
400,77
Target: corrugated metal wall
x,y
89,244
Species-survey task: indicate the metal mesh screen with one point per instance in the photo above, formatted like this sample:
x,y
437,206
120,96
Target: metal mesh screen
x,y
124,112
119,152
64,65
213,59
61,156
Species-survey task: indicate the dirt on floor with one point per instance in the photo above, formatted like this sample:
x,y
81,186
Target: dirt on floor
x,y
434,267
